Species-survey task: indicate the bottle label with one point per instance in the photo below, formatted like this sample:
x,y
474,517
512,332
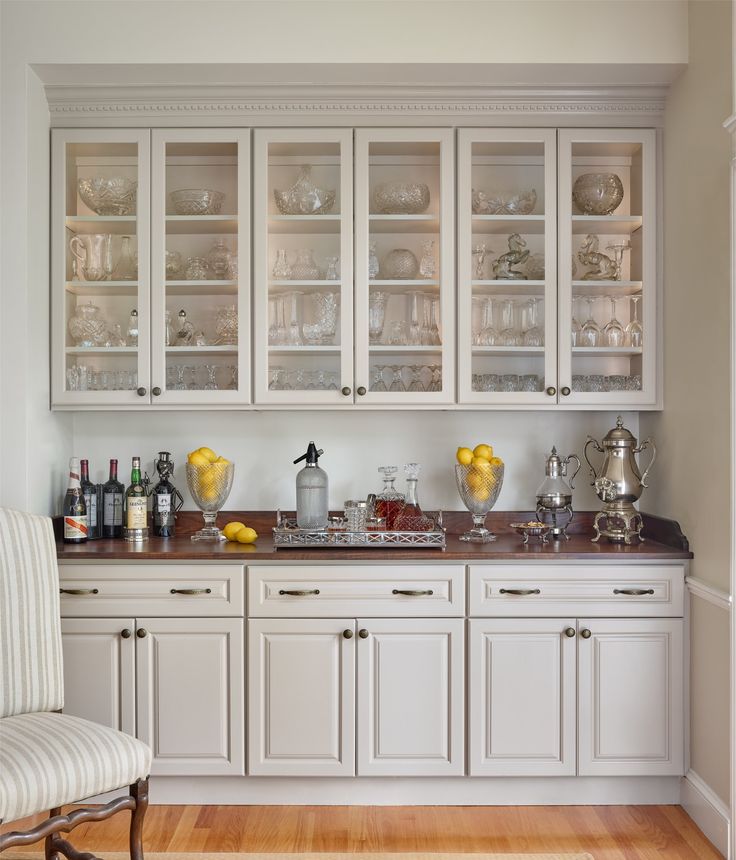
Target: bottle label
x,y
75,527
90,500
113,509
137,512
163,503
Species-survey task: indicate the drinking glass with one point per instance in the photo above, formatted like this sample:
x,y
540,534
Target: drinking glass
x,y
211,384
233,368
377,302
277,330
529,382
415,302
575,327
613,330
476,318
436,383
590,333
579,382
430,333
509,382
479,488
293,327
397,384
326,307
415,384
210,486
488,334
633,382
397,333
634,330
596,382
509,336
534,334
377,383
616,382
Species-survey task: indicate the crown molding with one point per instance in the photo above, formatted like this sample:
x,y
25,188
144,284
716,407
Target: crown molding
x,y
353,104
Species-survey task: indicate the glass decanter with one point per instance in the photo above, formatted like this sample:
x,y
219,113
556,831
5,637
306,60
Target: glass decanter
x,y
389,501
281,268
184,330
410,517
220,259
126,268
226,326
131,334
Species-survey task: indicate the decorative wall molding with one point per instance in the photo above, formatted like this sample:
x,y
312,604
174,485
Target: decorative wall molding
x,y
702,589
707,810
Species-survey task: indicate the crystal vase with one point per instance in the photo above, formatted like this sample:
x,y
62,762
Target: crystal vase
x,y
210,486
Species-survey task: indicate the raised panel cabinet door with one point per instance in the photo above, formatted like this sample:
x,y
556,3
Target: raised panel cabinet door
x,y
99,670
301,703
190,688
630,700
522,697
411,697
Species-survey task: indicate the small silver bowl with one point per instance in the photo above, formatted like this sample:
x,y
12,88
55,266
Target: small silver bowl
x,y
527,530
598,193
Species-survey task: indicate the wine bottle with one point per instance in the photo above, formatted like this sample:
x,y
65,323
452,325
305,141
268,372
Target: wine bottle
x,y
136,505
89,491
165,498
74,510
112,504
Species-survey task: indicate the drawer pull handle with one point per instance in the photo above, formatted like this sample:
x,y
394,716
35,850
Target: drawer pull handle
x,y
191,591
633,592
569,632
79,592
413,592
521,592
585,633
347,634
295,592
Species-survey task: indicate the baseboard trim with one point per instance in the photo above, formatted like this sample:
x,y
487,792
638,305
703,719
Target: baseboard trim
x,y
707,810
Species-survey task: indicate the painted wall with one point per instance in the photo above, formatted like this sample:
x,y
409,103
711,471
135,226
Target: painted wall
x,y
692,481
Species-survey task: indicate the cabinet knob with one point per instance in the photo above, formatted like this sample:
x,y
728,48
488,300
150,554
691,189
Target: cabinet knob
x,y
141,391
347,391
141,632
156,391
585,633
126,633
564,391
569,632
347,634
363,633
361,390
551,390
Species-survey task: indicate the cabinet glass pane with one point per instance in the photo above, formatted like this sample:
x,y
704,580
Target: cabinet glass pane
x,y
201,326
101,266
608,326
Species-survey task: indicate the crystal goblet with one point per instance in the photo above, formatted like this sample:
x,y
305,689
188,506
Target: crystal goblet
x,y
210,486
479,487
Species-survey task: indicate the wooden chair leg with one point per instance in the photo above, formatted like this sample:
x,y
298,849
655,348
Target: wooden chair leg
x,y
139,792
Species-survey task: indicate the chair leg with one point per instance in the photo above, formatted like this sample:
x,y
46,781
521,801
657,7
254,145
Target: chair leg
x,y
49,849
139,792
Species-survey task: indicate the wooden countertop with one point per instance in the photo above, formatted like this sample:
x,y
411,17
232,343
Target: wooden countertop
x,y
663,540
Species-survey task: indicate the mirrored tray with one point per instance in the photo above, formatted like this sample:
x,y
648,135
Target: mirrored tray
x,y
287,534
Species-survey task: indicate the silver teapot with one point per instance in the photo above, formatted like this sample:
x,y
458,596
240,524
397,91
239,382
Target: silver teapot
x,y
554,495
619,483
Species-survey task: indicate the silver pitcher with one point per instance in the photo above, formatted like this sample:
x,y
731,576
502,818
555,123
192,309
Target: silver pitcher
x,y
618,483
94,255
554,496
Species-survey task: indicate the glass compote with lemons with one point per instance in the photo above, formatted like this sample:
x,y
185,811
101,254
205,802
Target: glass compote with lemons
x,y
210,479
479,477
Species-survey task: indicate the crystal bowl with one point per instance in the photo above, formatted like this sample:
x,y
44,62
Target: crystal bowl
x,y
504,204
210,486
197,201
479,487
304,197
400,198
113,195
598,193
399,264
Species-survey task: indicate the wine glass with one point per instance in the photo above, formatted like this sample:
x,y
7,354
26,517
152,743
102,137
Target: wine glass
x,y
397,384
590,333
488,335
613,329
634,330
211,384
534,335
479,487
415,383
210,486
575,327
415,332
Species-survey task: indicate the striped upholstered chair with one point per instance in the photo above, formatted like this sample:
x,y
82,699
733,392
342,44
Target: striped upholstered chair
x,y
49,759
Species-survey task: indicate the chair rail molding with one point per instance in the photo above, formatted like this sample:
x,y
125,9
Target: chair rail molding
x,y
705,591
286,104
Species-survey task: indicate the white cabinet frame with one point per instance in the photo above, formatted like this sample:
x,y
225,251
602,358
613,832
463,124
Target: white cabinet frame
x,y
466,138
446,269
199,397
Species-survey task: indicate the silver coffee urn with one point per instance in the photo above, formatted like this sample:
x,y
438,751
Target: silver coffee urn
x,y
554,496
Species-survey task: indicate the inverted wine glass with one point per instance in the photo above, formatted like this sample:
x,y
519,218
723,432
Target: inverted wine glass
x,y
479,487
210,486
590,333
613,331
634,330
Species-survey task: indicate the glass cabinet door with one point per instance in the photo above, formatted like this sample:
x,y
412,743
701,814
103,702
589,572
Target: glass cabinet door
x,y
404,275
303,267
507,266
200,280
100,268
607,267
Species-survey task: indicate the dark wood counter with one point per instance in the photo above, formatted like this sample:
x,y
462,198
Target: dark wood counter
x,y
663,540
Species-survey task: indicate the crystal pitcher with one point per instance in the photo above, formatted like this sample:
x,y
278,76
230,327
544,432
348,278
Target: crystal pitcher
x,y
94,254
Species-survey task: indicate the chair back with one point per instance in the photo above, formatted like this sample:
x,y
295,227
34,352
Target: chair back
x,y
31,676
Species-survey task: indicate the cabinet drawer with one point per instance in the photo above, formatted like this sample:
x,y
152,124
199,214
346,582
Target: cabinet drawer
x,y
533,590
152,589
324,591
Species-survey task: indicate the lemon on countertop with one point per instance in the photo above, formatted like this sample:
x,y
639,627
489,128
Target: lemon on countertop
x,y
231,529
246,535
464,456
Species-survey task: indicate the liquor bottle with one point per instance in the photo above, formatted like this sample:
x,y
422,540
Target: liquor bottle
x,y
410,517
74,510
389,501
136,506
89,491
112,504
166,499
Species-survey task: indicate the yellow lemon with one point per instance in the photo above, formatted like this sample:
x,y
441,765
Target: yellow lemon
x,y
485,451
209,494
481,494
246,535
197,459
231,529
208,453
464,456
480,463
475,480
221,461
496,461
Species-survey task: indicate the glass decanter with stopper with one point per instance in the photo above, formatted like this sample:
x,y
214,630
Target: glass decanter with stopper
x,y
410,517
389,501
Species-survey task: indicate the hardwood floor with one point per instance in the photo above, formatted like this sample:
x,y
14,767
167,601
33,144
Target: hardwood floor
x,y
607,832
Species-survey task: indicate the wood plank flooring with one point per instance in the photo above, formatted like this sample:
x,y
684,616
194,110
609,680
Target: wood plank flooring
x,y
607,832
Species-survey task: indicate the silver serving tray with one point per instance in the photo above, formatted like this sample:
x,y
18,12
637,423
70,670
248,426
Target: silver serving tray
x,y
286,535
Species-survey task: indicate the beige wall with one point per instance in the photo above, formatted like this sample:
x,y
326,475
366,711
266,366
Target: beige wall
x,y
692,480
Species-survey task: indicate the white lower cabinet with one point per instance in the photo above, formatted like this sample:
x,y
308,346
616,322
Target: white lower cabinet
x,y
521,681
411,697
99,670
301,715
630,700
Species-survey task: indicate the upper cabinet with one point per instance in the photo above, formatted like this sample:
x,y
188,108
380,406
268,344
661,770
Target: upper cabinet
x,y
554,281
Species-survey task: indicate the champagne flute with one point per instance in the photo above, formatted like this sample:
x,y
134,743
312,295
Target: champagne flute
x,y
590,333
634,330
